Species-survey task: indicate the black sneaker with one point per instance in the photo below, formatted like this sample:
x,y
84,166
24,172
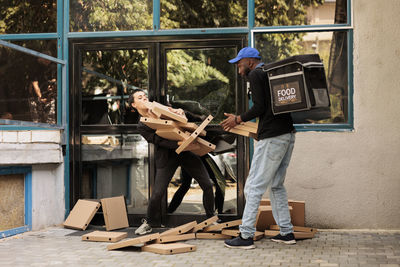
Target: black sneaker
x,y
286,239
239,242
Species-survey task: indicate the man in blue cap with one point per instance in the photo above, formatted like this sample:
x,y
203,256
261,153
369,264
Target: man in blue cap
x,y
271,156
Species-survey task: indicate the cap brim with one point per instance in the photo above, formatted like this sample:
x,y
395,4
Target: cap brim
x,y
234,60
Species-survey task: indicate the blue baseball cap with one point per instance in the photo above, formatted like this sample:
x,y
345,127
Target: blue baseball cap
x,y
246,52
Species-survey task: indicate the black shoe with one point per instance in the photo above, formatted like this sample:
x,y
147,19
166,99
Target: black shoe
x,y
286,239
239,242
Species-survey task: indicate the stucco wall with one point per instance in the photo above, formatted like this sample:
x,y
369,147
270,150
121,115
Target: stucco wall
x,y
352,179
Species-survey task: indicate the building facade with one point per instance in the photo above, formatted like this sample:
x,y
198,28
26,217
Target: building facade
x,y
75,137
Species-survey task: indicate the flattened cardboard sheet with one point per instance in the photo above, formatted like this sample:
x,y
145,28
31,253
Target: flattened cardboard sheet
x,y
169,249
103,236
212,236
81,214
174,238
134,241
157,123
180,229
297,235
204,224
114,211
220,226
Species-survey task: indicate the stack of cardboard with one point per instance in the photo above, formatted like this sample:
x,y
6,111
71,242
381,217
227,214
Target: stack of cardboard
x,y
265,220
173,126
248,129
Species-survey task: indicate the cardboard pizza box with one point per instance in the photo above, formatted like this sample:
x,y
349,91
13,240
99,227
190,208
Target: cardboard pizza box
x,y
220,226
235,232
103,236
157,123
212,236
180,229
265,218
298,210
81,214
190,126
296,229
114,211
204,224
169,249
204,147
172,134
166,113
174,238
134,241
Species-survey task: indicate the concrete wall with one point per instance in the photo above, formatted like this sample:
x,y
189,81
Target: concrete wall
x,y
42,150
352,179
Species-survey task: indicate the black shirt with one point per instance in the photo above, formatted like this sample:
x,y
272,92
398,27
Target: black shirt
x,y
269,125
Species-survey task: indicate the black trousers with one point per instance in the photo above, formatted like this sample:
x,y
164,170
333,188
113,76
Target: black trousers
x,y
194,166
185,186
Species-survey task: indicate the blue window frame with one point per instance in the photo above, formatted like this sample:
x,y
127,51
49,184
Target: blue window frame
x,y
27,171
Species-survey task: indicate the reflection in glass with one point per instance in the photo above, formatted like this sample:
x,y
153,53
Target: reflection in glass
x,y
186,197
300,12
101,15
332,49
108,78
28,16
28,84
202,81
114,165
176,14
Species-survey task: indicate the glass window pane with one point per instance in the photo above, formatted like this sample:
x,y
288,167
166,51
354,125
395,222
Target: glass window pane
x,y
300,12
332,49
186,197
28,16
108,78
202,81
113,15
114,165
28,84
175,14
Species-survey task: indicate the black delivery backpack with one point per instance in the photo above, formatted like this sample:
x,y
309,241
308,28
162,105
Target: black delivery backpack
x,y
297,83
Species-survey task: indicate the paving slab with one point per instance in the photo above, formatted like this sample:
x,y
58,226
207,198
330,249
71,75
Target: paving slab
x,y
57,246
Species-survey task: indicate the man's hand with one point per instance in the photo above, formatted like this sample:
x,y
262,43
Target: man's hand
x,y
229,122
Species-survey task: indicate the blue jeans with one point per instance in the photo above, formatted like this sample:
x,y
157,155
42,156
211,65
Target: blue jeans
x,y
268,168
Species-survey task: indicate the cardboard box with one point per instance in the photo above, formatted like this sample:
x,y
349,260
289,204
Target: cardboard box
x,y
220,226
296,229
157,123
81,214
166,113
174,238
194,135
169,249
265,218
180,229
298,210
204,224
134,241
114,211
172,134
103,236
212,236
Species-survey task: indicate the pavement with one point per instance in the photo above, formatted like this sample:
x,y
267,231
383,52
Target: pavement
x,y
57,246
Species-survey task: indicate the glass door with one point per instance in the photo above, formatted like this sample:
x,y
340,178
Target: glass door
x,y
197,77
109,157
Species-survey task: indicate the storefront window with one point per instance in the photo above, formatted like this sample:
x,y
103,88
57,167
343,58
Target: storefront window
x,y
176,14
300,12
28,16
108,78
114,15
28,84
